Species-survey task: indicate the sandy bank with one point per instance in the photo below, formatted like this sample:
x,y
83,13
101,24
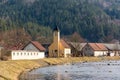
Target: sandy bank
x,y
10,70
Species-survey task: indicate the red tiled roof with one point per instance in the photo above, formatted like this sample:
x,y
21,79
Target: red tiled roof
x,y
18,46
64,43
38,45
97,46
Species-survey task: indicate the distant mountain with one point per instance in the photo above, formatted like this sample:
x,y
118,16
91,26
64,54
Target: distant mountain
x,y
94,20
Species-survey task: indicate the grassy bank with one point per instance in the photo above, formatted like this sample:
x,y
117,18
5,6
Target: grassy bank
x,y
10,70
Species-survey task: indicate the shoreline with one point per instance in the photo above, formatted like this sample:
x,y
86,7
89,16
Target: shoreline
x,y
12,70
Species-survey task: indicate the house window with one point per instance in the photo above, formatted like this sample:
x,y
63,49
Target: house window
x,y
28,53
21,53
24,53
37,53
56,51
17,53
31,53
34,53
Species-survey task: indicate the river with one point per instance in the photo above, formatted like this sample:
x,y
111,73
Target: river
x,y
105,70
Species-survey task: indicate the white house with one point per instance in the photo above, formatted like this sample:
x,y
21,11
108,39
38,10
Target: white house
x,y
65,48
33,50
95,49
113,49
22,54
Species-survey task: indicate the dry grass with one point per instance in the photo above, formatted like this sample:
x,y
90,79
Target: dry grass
x,y
10,70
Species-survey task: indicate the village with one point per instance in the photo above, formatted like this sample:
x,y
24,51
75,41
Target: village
x,y
60,48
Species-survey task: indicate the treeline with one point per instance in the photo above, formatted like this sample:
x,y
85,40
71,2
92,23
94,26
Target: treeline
x,y
91,19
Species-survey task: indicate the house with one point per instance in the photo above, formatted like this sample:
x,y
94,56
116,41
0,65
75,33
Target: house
x,y
33,50
76,48
59,48
113,49
95,49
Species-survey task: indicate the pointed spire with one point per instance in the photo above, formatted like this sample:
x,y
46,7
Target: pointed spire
x,y
56,28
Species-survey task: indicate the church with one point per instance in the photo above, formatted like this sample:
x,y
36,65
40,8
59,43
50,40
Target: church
x,y
59,48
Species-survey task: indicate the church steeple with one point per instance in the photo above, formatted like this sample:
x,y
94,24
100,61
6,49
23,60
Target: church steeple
x,y
56,28
56,40
56,34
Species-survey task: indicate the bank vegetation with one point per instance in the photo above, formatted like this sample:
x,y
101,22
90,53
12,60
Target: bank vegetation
x,y
10,70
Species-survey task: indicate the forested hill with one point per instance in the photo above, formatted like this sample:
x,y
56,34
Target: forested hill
x,y
94,20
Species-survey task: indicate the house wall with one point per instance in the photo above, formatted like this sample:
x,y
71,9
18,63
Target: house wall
x,y
59,48
62,50
100,53
88,51
114,53
24,55
67,52
30,47
52,50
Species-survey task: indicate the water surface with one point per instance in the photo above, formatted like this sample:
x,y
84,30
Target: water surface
x,y
106,70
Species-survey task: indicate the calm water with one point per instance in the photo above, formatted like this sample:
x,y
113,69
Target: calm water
x,y
107,70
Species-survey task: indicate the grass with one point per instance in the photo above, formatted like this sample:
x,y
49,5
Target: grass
x,y
10,70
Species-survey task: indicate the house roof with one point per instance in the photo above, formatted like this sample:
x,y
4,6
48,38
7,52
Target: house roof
x,y
38,45
112,46
115,41
77,45
64,43
97,46
17,46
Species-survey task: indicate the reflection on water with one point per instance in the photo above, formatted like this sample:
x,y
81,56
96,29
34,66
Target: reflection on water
x,y
109,70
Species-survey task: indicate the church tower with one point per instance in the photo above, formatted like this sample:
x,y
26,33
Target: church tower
x,y
56,35
56,39
58,48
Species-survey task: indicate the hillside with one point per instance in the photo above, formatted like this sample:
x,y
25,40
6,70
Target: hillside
x,y
94,20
